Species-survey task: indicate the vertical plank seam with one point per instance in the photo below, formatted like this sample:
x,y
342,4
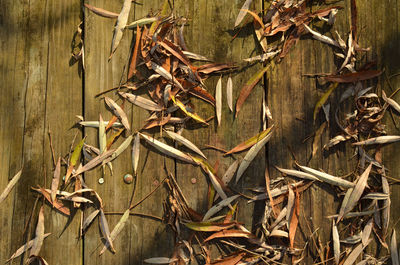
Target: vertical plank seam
x,y
82,15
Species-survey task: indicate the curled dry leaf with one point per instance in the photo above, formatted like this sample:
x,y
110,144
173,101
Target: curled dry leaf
x,y
120,26
391,102
10,186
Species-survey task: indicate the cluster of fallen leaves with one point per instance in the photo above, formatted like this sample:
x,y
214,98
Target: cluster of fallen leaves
x,y
171,75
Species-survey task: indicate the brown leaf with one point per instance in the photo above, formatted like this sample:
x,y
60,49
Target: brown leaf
x,y
249,142
230,233
117,111
39,234
56,180
56,203
353,77
132,65
101,12
294,221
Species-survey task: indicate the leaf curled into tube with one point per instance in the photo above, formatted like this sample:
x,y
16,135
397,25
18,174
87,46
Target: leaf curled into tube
x,y
10,186
391,102
218,100
117,111
102,135
120,26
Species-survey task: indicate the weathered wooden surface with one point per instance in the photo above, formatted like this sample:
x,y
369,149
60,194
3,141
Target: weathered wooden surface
x,y
40,89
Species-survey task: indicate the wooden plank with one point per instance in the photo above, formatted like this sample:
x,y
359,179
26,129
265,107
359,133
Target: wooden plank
x,y
210,33
42,89
142,237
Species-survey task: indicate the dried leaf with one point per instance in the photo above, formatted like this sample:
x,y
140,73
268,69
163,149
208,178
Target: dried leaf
x,y
255,16
141,102
10,186
88,221
242,12
188,113
160,260
135,153
102,136
391,102
216,208
179,138
336,242
39,235
94,162
367,231
120,148
120,26
251,154
323,99
294,219
328,178
356,193
95,124
56,203
101,12
386,207
74,158
56,180
353,77
218,100
141,22
393,249
216,185
317,138
230,172
167,150
132,65
375,196
117,229
208,226
202,94
379,140
250,142
229,234
298,174
24,248
248,87
229,92
355,253
117,111
106,231
164,73
322,38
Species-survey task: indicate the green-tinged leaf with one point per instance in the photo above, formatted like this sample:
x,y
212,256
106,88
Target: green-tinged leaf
x,y
167,150
120,26
251,154
323,99
95,124
219,206
230,172
248,87
117,229
141,22
250,142
77,151
10,186
179,138
120,149
190,114
208,226
94,162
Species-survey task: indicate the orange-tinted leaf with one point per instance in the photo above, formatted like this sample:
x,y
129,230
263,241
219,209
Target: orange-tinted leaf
x,y
294,220
230,233
132,66
250,142
208,226
101,12
56,203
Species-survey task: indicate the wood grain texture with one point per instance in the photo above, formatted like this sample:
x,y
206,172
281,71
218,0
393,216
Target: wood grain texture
x,y
39,89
